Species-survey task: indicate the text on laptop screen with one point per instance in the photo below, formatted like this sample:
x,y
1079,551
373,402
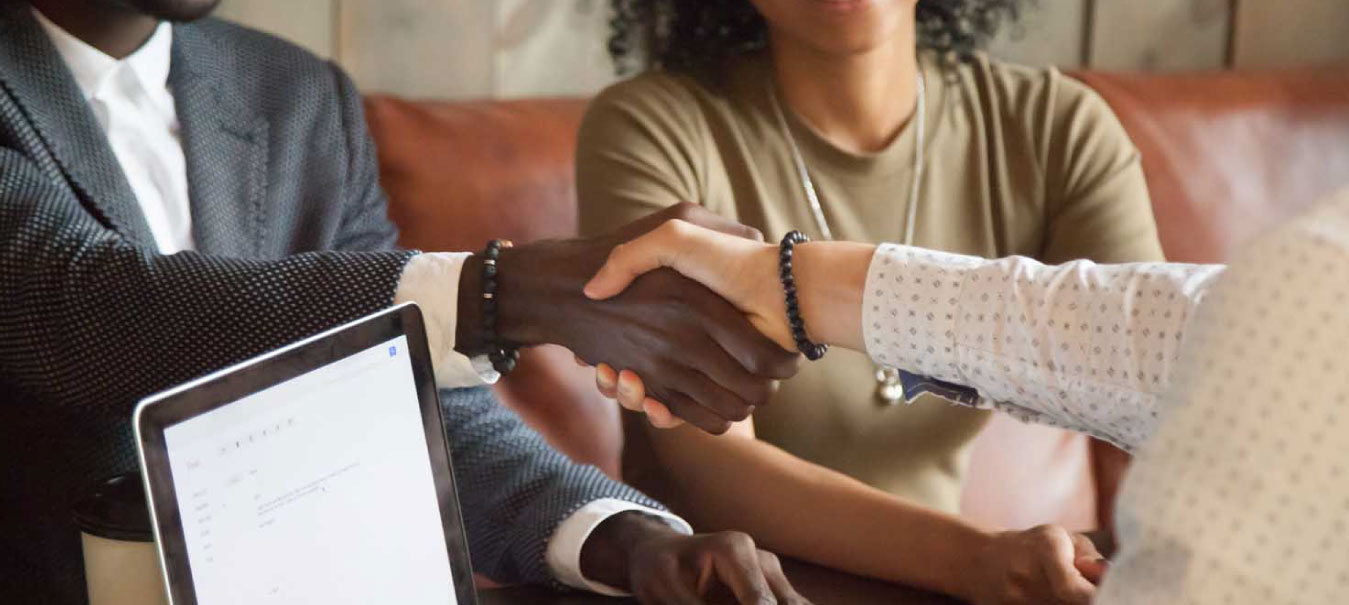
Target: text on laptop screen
x,y
316,490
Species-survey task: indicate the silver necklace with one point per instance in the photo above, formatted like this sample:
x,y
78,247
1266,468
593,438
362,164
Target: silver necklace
x,y
889,389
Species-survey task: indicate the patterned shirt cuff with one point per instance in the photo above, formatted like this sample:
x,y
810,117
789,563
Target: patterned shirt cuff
x,y
903,328
564,548
432,281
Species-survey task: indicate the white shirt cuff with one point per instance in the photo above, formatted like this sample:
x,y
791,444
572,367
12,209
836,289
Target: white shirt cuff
x,y
564,548
432,281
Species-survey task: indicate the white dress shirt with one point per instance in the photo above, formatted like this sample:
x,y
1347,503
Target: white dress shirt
x,y
1231,384
134,105
131,100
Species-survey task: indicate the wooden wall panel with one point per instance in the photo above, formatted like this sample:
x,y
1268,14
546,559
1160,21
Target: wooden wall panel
x,y
514,48
1161,35
551,47
418,48
1049,33
1287,33
308,23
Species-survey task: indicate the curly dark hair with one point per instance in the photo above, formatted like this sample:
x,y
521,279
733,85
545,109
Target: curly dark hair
x,y
699,36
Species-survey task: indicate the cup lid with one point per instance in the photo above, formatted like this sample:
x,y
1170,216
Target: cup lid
x,y
115,509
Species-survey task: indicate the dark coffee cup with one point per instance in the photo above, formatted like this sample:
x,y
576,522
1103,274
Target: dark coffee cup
x,y
121,566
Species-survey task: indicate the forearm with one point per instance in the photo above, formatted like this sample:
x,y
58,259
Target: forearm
x,y
1079,345
1085,346
470,337
606,556
525,301
516,492
800,509
90,317
831,278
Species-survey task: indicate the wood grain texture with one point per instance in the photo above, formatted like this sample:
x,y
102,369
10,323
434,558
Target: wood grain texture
x,y
456,49
1289,33
1049,33
418,48
551,47
308,23
1161,35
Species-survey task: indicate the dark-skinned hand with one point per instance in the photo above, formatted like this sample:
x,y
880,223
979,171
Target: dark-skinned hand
x,y
695,352
645,556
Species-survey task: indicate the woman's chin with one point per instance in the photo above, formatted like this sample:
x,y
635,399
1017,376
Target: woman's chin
x,y
842,27
844,6
850,43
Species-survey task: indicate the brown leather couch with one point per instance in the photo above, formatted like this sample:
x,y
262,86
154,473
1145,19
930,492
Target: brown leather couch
x,y
1226,156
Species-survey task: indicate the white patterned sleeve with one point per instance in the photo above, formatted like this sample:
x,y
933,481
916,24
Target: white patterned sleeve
x,y
1081,346
1242,495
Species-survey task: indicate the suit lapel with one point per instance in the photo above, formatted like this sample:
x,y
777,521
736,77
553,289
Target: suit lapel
x,y
226,147
38,80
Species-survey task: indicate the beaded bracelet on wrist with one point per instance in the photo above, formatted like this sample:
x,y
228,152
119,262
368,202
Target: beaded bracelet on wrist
x,y
812,350
503,357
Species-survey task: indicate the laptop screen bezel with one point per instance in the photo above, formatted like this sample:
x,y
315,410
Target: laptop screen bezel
x,y
155,414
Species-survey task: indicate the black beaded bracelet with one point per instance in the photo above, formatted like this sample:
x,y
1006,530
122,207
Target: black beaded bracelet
x,y
812,350
503,358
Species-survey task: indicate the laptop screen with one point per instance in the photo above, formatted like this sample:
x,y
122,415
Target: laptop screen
x,y
316,489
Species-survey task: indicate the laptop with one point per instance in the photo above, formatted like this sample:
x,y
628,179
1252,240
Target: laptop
x,y
318,473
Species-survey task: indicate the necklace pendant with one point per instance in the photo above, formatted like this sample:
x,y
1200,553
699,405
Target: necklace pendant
x,y
889,388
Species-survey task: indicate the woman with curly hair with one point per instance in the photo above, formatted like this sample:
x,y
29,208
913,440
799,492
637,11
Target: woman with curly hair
x,y
872,121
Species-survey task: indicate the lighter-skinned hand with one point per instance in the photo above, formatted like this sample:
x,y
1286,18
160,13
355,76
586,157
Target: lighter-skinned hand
x,y
741,270
1045,565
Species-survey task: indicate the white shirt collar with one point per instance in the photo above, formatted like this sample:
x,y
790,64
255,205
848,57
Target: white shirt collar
x,y
94,70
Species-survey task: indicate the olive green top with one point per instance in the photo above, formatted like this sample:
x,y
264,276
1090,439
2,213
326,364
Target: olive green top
x,y
1018,161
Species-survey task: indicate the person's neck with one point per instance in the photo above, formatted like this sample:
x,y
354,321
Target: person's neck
x,y
859,102
115,30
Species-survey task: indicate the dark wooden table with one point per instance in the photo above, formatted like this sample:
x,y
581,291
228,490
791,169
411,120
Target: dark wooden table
x,y
822,586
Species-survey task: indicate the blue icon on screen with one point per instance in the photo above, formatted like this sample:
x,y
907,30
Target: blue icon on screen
x,y
393,351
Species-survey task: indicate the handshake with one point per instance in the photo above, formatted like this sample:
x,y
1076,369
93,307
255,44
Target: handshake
x,y
682,313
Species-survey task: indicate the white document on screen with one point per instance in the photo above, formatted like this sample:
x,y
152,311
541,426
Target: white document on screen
x,y
317,490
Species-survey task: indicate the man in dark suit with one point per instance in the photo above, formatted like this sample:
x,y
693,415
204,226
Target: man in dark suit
x,y
180,193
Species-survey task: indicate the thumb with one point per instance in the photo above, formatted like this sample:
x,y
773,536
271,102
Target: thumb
x,y
659,415
1087,559
1068,583
629,260
1092,568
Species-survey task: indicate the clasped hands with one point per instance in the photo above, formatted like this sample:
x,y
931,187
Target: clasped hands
x,y
730,260
699,356
685,304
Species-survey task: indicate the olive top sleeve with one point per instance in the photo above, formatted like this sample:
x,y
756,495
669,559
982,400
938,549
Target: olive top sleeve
x,y
641,148
1097,204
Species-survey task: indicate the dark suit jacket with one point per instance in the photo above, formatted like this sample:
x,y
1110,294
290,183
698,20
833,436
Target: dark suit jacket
x,y
292,238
